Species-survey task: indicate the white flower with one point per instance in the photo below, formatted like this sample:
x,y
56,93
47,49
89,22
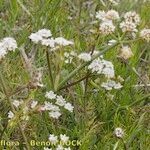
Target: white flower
x,y
45,33
96,66
145,34
102,66
59,147
45,148
16,103
36,38
125,52
10,115
107,16
133,17
50,95
33,104
9,43
85,56
110,84
127,26
60,101
69,107
108,69
63,42
119,132
112,15
53,139
64,138
55,114
48,42
3,52
107,28
50,107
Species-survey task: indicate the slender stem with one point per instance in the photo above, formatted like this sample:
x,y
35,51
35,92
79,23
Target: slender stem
x,y
73,83
13,110
74,72
49,68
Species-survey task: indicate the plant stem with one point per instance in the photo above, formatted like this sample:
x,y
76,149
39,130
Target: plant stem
x,y
49,68
74,72
13,110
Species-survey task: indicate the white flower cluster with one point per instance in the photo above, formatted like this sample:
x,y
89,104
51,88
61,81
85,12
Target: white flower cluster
x,y
7,44
102,66
107,27
44,36
17,103
145,34
69,57
119,132
110,84
130,23
125,52
54,109
10,115
58,142
85,56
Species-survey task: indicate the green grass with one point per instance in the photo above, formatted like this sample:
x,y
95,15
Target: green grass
x,y
95,115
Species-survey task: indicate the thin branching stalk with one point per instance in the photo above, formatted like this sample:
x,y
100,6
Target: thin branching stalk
x,y
74,72
49,68
13,110
74,83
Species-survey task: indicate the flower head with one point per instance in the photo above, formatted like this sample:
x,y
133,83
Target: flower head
x,y
69,107
110,84
44,33
10,115
64,138
112,15
62,41
107,28
125,52
53,139
145,34
119,132
50,95
133,17
85,56
36,38
127,26
55,114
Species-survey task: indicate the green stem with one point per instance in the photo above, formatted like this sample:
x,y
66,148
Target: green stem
x,y
49,68
73,73
13,110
